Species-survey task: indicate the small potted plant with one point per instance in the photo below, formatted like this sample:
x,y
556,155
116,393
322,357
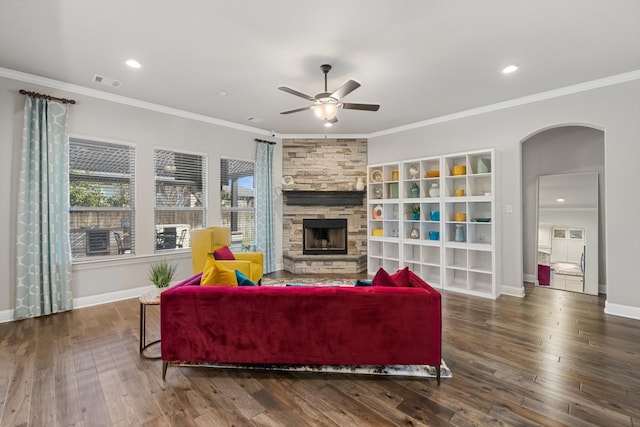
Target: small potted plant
x,y
415,212
161,273
245,246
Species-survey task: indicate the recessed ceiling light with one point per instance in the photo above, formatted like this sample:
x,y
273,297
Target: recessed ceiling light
x,y
328,124
223,93
133,63
560,199
509,69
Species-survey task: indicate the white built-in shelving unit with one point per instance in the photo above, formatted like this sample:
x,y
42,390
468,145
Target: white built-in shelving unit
x,y
447,236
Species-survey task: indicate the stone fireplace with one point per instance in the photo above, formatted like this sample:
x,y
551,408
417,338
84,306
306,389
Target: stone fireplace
x,y
324,173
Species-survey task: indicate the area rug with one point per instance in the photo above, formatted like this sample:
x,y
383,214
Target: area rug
x,y
423,371
309,281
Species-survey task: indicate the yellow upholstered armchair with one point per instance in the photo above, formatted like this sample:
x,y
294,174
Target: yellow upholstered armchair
x,y
205,241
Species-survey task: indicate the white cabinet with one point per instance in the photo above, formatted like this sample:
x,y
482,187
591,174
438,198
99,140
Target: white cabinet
x,y
567,244
567,282
436,215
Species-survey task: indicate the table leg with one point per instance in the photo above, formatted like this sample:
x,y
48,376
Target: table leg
x,y
143,326
143,333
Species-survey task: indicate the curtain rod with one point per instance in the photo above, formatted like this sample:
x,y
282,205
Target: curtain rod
x,y
265,141
47,97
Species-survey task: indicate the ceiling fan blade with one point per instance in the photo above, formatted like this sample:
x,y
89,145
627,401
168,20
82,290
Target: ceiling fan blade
x,y
296,93
365,107
345,89
298,109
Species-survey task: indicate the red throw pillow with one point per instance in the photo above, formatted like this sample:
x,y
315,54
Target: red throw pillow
x,y
382,278
417,282
402,278
224,254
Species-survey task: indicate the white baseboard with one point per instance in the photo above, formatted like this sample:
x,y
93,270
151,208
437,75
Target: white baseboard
x,y
514,291
530,278
602,289
7,315
111,296
622,310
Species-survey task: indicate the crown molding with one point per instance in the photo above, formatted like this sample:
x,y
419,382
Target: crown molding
x,y
106,96
529,99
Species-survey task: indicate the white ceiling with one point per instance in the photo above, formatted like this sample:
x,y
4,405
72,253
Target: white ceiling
x,y
418,59
578,191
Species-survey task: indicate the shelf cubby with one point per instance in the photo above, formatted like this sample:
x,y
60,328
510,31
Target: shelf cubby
x,y
454,183
391,229
481,282
479,185
411,252
375,248
456,258
430,255
480,261
479,210
479,233
456,279
428,165
391,251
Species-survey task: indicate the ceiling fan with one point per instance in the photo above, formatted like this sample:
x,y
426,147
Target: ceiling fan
x,y
325,104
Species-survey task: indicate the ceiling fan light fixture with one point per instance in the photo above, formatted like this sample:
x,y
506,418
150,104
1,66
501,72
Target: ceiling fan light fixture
x,y
133,63
509,69
326,110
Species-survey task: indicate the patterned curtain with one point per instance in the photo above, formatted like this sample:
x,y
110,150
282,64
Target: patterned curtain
x,y
43,272
264,205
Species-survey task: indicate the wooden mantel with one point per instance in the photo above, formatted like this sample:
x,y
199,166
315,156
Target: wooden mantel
x,y
324,198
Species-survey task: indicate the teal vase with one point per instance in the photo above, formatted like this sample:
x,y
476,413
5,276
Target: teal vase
x,y
415,190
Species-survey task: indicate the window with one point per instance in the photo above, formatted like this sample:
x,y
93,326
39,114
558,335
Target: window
x,y
101,198
237,196
180,197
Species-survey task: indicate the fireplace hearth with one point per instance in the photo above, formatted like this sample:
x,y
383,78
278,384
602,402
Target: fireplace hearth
x,y
324,236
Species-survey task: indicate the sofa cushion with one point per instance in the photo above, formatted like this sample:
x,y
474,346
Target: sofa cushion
x,y
382,278
243,280
402,277
223,254
215,274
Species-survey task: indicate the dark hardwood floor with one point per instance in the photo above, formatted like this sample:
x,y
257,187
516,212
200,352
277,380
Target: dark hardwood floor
x,y
550,358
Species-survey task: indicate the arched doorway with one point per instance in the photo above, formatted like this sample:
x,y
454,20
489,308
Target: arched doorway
x,y
568,149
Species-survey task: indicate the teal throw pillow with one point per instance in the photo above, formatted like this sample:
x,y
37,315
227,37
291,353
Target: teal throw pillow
x,y
243,280
360,282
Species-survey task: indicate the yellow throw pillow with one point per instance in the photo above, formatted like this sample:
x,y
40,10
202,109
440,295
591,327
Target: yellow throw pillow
x,y
216,275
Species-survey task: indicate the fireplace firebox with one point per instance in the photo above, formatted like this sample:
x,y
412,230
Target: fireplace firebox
x,y
324,236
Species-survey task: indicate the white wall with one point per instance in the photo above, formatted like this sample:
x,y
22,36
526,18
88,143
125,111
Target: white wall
x,y
615,109
104,120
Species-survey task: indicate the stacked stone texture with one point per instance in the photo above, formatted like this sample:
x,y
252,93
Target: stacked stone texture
x,y
325,165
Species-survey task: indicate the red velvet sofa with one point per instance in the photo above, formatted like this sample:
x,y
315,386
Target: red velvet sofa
x,y
278,325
